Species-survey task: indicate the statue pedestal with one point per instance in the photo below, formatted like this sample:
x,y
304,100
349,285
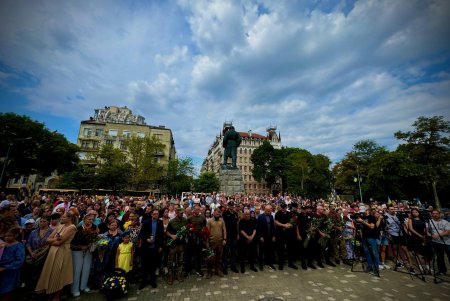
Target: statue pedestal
x,y
231,181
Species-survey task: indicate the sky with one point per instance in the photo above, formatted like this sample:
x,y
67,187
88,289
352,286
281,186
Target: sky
x,y
326,73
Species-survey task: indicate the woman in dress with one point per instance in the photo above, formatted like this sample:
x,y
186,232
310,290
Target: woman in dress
x,y
11,261
37,249
106,264
134,229
82,247
58,269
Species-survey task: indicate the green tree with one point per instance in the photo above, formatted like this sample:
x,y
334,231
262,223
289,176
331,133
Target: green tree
x,y
142,156
428,147
113,172
264,159
83,176
207,182
179,176
308,175
29,147
355,167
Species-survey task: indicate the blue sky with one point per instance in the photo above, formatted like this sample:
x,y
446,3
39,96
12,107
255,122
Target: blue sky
x,y
326,73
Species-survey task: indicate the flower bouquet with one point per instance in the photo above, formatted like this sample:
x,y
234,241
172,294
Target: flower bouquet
x,y
329,226
315,223
208,254
102,245
205,233
115,285
181,234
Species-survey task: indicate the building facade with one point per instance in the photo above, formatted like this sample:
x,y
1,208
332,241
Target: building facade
x,y
115,125
250,141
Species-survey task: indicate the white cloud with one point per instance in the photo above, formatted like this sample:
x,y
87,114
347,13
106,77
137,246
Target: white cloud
x,y
325,73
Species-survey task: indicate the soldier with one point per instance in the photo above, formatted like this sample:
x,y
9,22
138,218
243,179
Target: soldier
x,y
217,241
195,242
176,249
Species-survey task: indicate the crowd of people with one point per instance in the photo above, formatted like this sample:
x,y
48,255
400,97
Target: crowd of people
x,y
48,242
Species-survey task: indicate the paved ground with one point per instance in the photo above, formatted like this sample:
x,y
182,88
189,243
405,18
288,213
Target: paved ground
x,y
322,284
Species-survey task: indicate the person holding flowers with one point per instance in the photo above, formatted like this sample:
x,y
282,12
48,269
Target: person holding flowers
x,y
176,233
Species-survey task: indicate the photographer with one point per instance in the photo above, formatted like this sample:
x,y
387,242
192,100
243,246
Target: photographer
x,y
396,233
370,233
439,230
418,238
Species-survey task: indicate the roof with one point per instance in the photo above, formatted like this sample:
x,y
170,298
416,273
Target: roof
x,y
254,135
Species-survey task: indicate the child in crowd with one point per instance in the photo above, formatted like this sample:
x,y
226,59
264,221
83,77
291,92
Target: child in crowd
x,y
11,262
124,255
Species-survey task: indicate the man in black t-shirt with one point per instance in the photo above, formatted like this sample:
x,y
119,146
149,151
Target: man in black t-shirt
x,y
371,233
230,217
247,241
285,234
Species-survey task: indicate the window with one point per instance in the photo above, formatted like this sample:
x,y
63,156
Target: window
x,y
98,132
113,133
111,142
95,144
126,134
123,145
84,144
158,136
141,134
87,132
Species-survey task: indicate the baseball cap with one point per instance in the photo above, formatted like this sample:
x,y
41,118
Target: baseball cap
x,y
5,204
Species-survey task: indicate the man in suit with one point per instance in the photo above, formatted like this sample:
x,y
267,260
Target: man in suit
x,y
266,234
151,239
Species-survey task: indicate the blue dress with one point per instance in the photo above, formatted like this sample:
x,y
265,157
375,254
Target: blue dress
x,y
12,260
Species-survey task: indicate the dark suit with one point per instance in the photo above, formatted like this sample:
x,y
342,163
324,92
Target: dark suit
x,y
151,252
265,230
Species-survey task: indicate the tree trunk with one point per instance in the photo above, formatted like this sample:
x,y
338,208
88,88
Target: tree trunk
x,y
436,198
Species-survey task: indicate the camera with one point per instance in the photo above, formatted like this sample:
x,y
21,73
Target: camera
x,y
426,215
355,216
401,215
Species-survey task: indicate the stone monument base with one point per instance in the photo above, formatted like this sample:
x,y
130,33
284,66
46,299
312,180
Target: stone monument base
x,y
231,181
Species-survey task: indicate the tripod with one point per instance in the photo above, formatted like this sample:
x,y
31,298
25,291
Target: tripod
x,y
402,235
358,252
429,223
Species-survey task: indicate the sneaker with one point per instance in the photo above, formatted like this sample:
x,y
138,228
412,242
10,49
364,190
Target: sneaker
x,y
400,265
385,266
76,295
157,272
166,270
272,267
199,273
412,271
87,290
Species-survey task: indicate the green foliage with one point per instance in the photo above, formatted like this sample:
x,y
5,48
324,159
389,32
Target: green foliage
x,y
428,148
83,176
113,172
356,164
33,148
179,176
142,154
307,175
264,161
207,182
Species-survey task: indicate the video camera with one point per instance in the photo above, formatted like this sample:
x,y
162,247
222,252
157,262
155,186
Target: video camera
x,y
355,216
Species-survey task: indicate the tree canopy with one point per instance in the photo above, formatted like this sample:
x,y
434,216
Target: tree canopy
x,y
33,148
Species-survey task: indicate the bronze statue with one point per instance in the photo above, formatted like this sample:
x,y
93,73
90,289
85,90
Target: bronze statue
x,y
231,141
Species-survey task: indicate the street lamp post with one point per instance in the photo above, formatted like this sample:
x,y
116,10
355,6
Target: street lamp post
x,y
7,155
359,183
